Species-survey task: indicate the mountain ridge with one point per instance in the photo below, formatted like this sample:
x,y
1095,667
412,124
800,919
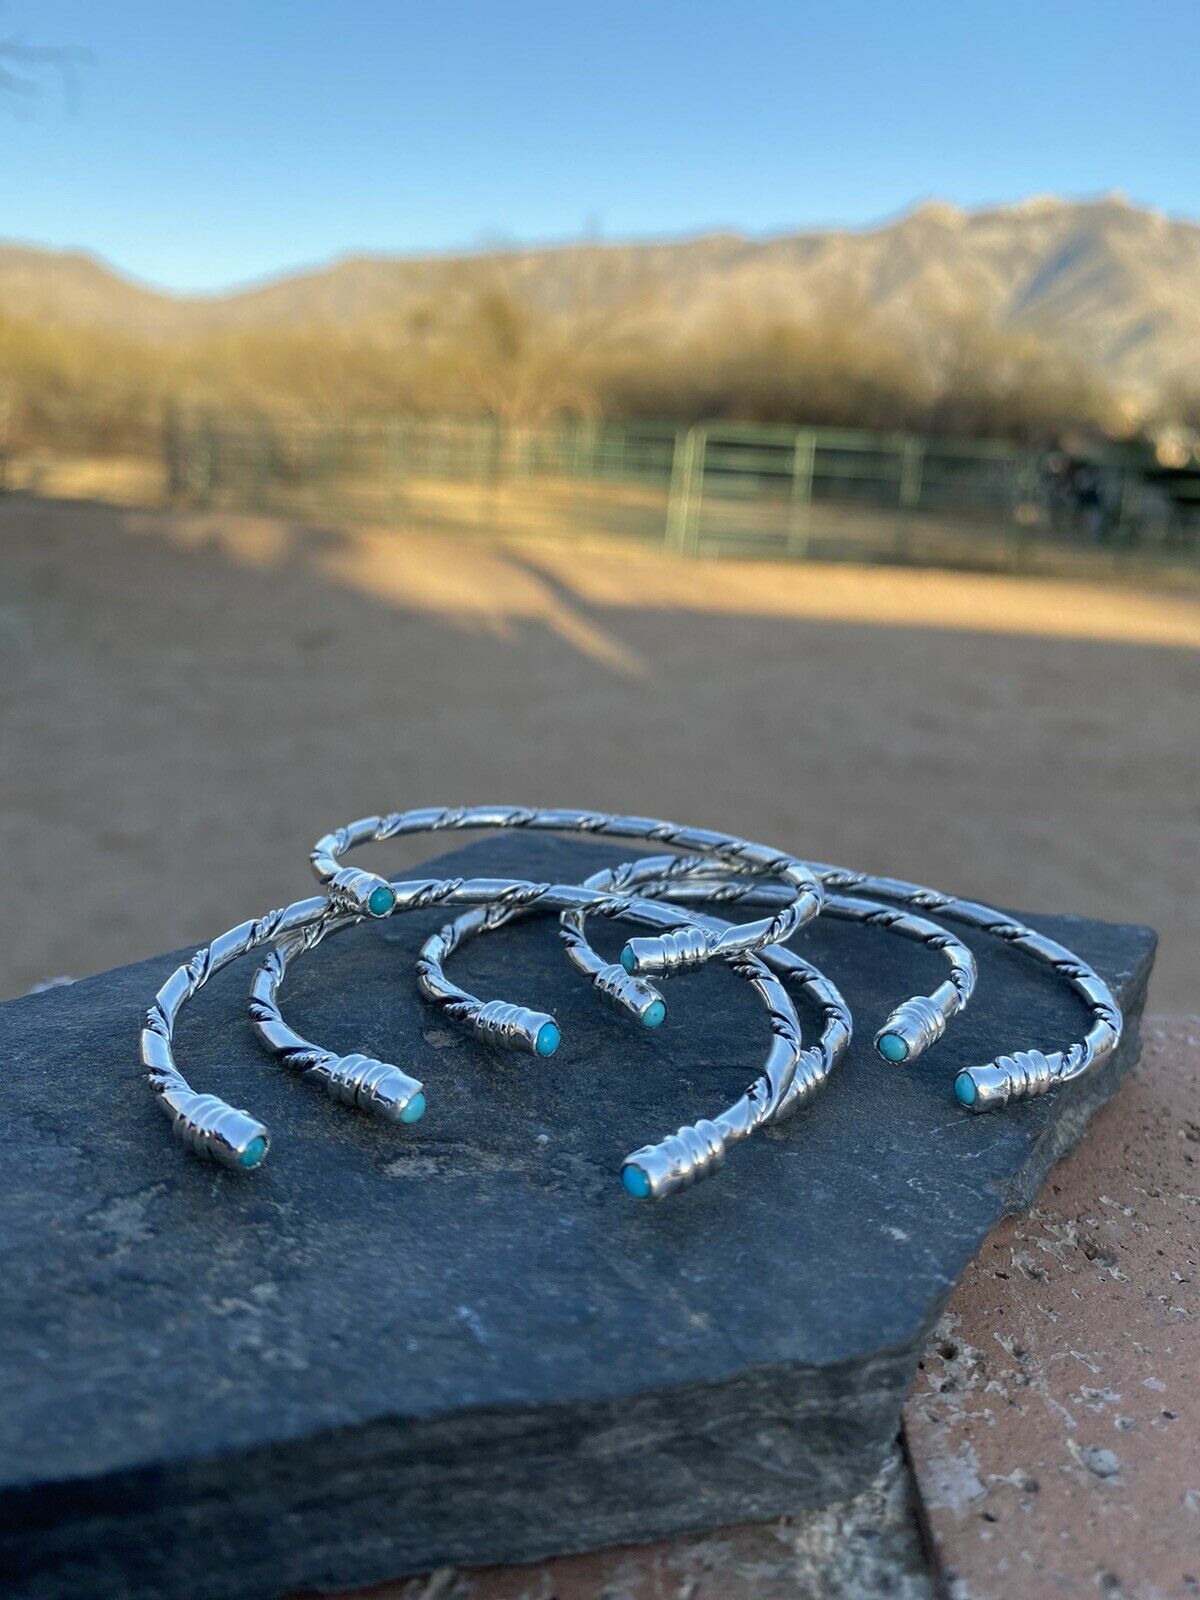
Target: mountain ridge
x,y
1117,284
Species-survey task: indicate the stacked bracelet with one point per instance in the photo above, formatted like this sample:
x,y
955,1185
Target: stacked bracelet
x,y
661,893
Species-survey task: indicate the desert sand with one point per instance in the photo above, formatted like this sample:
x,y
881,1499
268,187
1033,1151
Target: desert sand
x,y
190,698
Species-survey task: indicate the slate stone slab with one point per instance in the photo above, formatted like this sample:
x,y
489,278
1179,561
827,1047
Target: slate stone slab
x,y
397,1348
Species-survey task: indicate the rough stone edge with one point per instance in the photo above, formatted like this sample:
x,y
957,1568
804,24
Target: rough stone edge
x,y
357,1491
197,1492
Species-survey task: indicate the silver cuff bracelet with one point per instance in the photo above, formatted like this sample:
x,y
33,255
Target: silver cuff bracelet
x,y
789,1077
659,893
675,951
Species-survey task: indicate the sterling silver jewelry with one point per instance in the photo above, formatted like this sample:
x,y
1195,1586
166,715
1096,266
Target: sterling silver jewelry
x,y
912,1027
790,1076
716,868
210,1127
498,1023
1026,1072
678,950
207,1125
356,1080
915,1024
920,1021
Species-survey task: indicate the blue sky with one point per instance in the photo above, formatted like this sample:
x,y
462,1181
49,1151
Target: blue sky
x,y
203,145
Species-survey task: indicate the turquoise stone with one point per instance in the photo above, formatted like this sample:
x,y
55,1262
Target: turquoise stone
x,y
548,1039
654,1015
965,1089
415,1109
892,1047
636,1182
381,901
254,1152
627,960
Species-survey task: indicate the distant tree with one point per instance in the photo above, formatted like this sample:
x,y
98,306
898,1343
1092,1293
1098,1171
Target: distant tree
x,y
523,366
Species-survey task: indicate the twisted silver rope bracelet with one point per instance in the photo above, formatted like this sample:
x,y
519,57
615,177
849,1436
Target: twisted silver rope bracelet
x,y
661,893
921,1020
676,951
789,1077
913,1027
915,1024
209,1126
1025,1072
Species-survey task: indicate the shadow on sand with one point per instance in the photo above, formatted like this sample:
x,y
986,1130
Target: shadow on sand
x,y
190,699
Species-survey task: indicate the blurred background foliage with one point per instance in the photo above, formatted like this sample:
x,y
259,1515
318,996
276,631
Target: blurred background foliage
x,y
482,349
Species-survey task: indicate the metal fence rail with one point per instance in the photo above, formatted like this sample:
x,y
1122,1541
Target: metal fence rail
x,y
711,489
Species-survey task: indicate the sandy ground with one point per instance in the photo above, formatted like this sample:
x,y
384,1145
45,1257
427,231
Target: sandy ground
x,y
189,699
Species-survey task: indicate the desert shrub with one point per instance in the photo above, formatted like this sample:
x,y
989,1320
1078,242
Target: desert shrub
x,y
479,347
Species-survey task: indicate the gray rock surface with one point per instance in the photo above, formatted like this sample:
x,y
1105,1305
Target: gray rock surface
x,y
392,1349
